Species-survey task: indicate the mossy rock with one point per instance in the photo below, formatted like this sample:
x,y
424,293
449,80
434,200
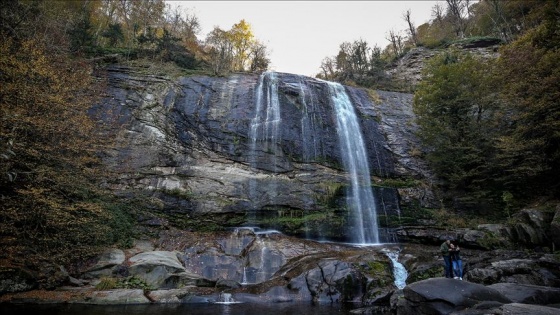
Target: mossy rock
x,y
433,271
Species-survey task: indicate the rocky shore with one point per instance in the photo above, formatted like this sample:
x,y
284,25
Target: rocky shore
x,y
252,266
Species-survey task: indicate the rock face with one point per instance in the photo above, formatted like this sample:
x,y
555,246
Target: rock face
x,y
448,296
408,70
256,268
444,296
254,150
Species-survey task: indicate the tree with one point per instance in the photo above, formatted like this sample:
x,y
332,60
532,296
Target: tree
x,y
396,42
114,34
459,13
242,39
221,51
530,71
455,106
236,50
356,62
328,66
259,60
183,24
438,13
411,27
52,208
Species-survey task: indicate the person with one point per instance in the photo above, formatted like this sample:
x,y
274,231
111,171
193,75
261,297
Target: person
x,y
444,249
456,261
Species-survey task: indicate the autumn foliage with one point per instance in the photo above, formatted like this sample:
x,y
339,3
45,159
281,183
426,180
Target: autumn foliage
x,y
492,126
52,207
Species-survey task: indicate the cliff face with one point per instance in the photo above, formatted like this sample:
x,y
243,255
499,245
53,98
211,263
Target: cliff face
x,y
250,149
408,70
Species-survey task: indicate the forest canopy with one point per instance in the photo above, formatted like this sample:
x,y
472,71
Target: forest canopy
x,y
492,125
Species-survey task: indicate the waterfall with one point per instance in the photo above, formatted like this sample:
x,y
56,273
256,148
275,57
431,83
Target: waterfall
x,y
399,271
226,298
309,118
360,200
264,129
244,279
264,125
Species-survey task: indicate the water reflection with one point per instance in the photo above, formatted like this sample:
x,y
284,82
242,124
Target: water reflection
x,y
176,309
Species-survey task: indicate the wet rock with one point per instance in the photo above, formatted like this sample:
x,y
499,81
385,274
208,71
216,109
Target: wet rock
x,y
523,309
528,294
189,144
444,296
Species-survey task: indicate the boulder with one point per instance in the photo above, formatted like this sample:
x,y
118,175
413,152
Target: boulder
x,y
524,309
107,264
117,297
541,272
528,294
486,308
444,296
161,269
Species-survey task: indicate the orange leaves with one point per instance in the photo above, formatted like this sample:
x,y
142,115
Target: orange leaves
x,y
49,170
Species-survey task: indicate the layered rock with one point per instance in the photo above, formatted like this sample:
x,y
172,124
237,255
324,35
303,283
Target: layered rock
x,y
202,149
188,267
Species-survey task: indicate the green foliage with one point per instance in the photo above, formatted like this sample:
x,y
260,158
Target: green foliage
x,y
455,107
114,34
133,283
376,267
331,193
419,275
356,64
482,41
490,241
398,182
82,33
529,148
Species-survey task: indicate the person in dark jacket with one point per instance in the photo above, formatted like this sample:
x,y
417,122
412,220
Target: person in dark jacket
x,y
456,261
444,249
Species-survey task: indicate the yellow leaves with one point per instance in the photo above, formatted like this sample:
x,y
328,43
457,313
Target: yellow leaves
x,y
53,206
241,32
242,39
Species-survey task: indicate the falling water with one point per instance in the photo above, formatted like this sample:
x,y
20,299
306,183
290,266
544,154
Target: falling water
x,y
399,271
244,280
265,123
264,128
360,198
309,117
226,298
310,143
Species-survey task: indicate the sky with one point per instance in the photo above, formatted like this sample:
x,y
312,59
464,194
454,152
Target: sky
x,y
300,34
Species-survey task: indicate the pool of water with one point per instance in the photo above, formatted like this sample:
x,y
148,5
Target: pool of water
x,y
176,309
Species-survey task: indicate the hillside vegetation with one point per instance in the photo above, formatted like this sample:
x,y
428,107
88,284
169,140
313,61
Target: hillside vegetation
x,y
492,127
